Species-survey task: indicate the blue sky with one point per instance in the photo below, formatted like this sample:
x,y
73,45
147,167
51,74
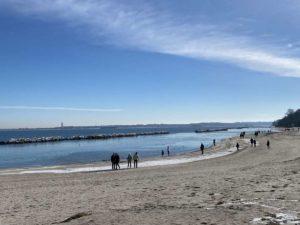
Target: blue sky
x,y
99,62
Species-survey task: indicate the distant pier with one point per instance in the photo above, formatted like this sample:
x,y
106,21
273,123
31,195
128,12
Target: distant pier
x,y
211,130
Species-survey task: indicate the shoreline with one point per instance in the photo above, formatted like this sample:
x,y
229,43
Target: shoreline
x,y
224,147
94,151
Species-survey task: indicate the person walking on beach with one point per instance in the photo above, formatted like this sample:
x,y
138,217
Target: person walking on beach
x,y
112,159
117,161
168,150
214,142
254,143
268,143
202,148
129,159
135,160
251,141
162,153
237,146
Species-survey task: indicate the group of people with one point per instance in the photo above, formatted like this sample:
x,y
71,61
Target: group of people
x,y
115,160
253,142
135,159
163,152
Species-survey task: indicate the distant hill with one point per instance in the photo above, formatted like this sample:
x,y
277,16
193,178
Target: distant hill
x,y
291,119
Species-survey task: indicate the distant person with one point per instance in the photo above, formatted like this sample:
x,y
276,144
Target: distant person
x,y
268,143
214,142
251,141
117,161
202,148
168,150
135,160
162,153
112,159
129,159
237,146
254,143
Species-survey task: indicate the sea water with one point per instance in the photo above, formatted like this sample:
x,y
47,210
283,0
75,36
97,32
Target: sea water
x,y
89,151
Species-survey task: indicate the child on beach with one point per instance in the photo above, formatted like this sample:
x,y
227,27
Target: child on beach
x,y
237,146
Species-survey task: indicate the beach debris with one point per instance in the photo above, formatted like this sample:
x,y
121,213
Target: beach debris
x,y
76,216
277,218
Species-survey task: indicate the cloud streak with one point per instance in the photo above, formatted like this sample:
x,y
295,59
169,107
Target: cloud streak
x,y
146,29
58,109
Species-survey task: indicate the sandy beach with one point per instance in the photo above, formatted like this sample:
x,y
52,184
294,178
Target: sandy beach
x,y
252,186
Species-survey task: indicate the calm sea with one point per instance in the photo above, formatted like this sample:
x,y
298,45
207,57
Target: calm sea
x,y
88,151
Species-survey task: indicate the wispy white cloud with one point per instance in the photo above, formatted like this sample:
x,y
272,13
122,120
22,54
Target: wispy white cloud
x,y
144,28
58,108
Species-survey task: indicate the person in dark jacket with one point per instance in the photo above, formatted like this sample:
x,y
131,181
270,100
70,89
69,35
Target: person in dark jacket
x,y
237,146
112,159
129,159
202,148
135,160
268,143
117,161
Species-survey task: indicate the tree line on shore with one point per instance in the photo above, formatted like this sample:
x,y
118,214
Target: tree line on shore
x,y
291,119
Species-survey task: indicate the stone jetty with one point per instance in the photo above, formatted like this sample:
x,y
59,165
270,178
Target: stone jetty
x,y
76,138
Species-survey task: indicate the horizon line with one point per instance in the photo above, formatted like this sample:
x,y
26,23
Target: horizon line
x,y
60,108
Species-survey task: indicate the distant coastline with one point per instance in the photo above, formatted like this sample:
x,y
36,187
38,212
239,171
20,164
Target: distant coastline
x,y
201,126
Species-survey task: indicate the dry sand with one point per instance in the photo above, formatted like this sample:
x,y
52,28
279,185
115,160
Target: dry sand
x,y
255,185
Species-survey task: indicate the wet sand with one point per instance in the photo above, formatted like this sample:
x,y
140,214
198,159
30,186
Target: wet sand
x,y
252,186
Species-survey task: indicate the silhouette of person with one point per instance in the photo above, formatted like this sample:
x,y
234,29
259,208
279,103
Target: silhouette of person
x,y
112,159
117,161
162,153
237,146
129,159
135,160
268,143
214,142
202,148
251,141
254,143
168,150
